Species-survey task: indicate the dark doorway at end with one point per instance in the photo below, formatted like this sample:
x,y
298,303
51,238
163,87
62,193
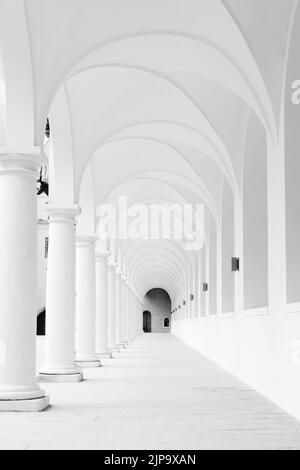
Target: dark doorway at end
x,y
147,322
41,324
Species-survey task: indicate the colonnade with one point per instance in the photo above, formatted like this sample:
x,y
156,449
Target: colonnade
x,y
92,309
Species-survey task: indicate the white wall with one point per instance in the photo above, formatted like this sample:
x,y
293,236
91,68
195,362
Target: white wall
x,y
262,350
227,250
255,212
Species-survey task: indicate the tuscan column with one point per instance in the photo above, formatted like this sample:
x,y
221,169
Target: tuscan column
x,y
60,298
135,328
128,321
18,282
102,306
123,292
126,311
131,334
119,308
139,317
111,268
134,315
86,302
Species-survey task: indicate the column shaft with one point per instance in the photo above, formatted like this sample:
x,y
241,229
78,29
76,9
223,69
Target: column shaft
x,y
127,312
86,303
60,299
102,306
123,297
112,308
119,308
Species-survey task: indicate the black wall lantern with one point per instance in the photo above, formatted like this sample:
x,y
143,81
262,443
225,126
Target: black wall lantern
x,y
235,264
47,130
42,182
184,302
192,297
205,287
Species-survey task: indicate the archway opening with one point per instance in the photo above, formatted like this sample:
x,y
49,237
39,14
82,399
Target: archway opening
x,y
158,304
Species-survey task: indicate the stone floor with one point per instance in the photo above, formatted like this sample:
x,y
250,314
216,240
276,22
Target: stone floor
x,y
158,394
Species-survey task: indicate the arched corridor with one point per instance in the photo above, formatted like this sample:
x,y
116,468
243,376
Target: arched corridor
x,y
149,183
158,317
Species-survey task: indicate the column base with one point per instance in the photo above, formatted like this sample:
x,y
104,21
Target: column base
x,y
104,354
60,375
88,364
35,405
114,350
59,378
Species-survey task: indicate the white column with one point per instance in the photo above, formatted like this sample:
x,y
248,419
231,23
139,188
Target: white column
x,y
86,302
102,306
119,308
131,315
137,329
60,299
141,318
128,312
18,283
111,307
123,300
136,317
134,314
135,334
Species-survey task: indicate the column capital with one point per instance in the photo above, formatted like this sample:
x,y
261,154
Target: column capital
x,y
88,241
21,160
118,271
102,257
112,265
60,213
